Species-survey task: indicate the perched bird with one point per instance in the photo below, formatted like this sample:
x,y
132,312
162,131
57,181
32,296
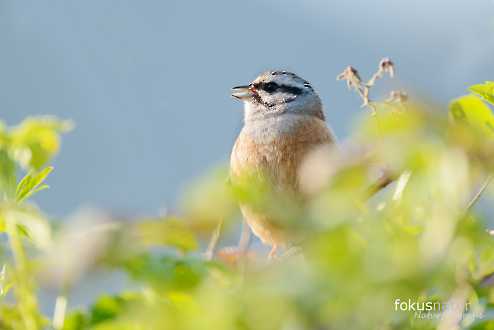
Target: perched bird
x,y
283,122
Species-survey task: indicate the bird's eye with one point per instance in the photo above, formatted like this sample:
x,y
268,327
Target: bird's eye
x,y
270,87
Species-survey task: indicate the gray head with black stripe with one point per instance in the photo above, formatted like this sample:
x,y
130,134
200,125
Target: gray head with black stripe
x,y
275,93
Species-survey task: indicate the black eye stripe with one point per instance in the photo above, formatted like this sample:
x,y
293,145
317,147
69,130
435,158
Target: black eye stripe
x,y
271,87
291,90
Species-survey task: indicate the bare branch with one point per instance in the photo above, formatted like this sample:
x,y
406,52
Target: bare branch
x,y
353,81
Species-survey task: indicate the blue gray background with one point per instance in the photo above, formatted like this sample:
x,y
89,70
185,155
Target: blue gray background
x,y
147,82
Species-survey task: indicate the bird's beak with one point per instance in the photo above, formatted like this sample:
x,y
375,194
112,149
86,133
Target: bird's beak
x,y
242,92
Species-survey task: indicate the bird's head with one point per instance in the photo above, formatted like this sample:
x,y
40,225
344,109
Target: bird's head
x,y
275,93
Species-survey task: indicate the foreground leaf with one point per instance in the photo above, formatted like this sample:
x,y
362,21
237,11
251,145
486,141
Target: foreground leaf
x,y
474,112
485,91
168,232
36,140
31,184
167,272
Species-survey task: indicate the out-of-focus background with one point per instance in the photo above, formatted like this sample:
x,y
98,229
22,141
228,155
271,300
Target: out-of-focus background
x,y
147,83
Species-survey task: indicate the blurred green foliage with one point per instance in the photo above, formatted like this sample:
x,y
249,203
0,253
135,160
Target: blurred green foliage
x,y
365,261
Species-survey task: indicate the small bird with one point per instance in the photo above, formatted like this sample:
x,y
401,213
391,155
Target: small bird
x,y
283,122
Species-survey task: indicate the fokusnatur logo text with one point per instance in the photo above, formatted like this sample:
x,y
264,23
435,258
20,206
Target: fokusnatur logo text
x,y
427,306
430,309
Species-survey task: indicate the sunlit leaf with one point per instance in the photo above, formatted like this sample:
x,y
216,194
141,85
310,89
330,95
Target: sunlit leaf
x,y
36,140
167,232
10,318
5,283
485,91
388,123
106,308
32,225
104,313
7,175
167,272
31,184
209,201
474,112
75,321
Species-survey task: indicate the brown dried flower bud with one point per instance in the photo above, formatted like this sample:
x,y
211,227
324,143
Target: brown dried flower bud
x,y
387,66
351,76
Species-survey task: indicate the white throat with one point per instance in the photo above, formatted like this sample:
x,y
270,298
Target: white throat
x,y
302,106
267,129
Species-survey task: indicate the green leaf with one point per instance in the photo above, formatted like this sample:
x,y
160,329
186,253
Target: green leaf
x,y
104,311
474,112
208,201
107,308
31,184
10,317
30,224
167,272
485,91
20,228
7,175
36,140
168,232
75,321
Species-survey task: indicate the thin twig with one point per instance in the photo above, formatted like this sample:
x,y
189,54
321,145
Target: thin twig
x,y
213,243
479,193
401,185
243,244
385,180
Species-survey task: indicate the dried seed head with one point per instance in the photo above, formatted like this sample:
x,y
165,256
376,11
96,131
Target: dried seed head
x,y
351,76
387,66
397,97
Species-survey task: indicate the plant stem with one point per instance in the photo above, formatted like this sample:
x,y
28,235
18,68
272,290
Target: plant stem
x,y
25,297
214,241
243,244
60,311
479,193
